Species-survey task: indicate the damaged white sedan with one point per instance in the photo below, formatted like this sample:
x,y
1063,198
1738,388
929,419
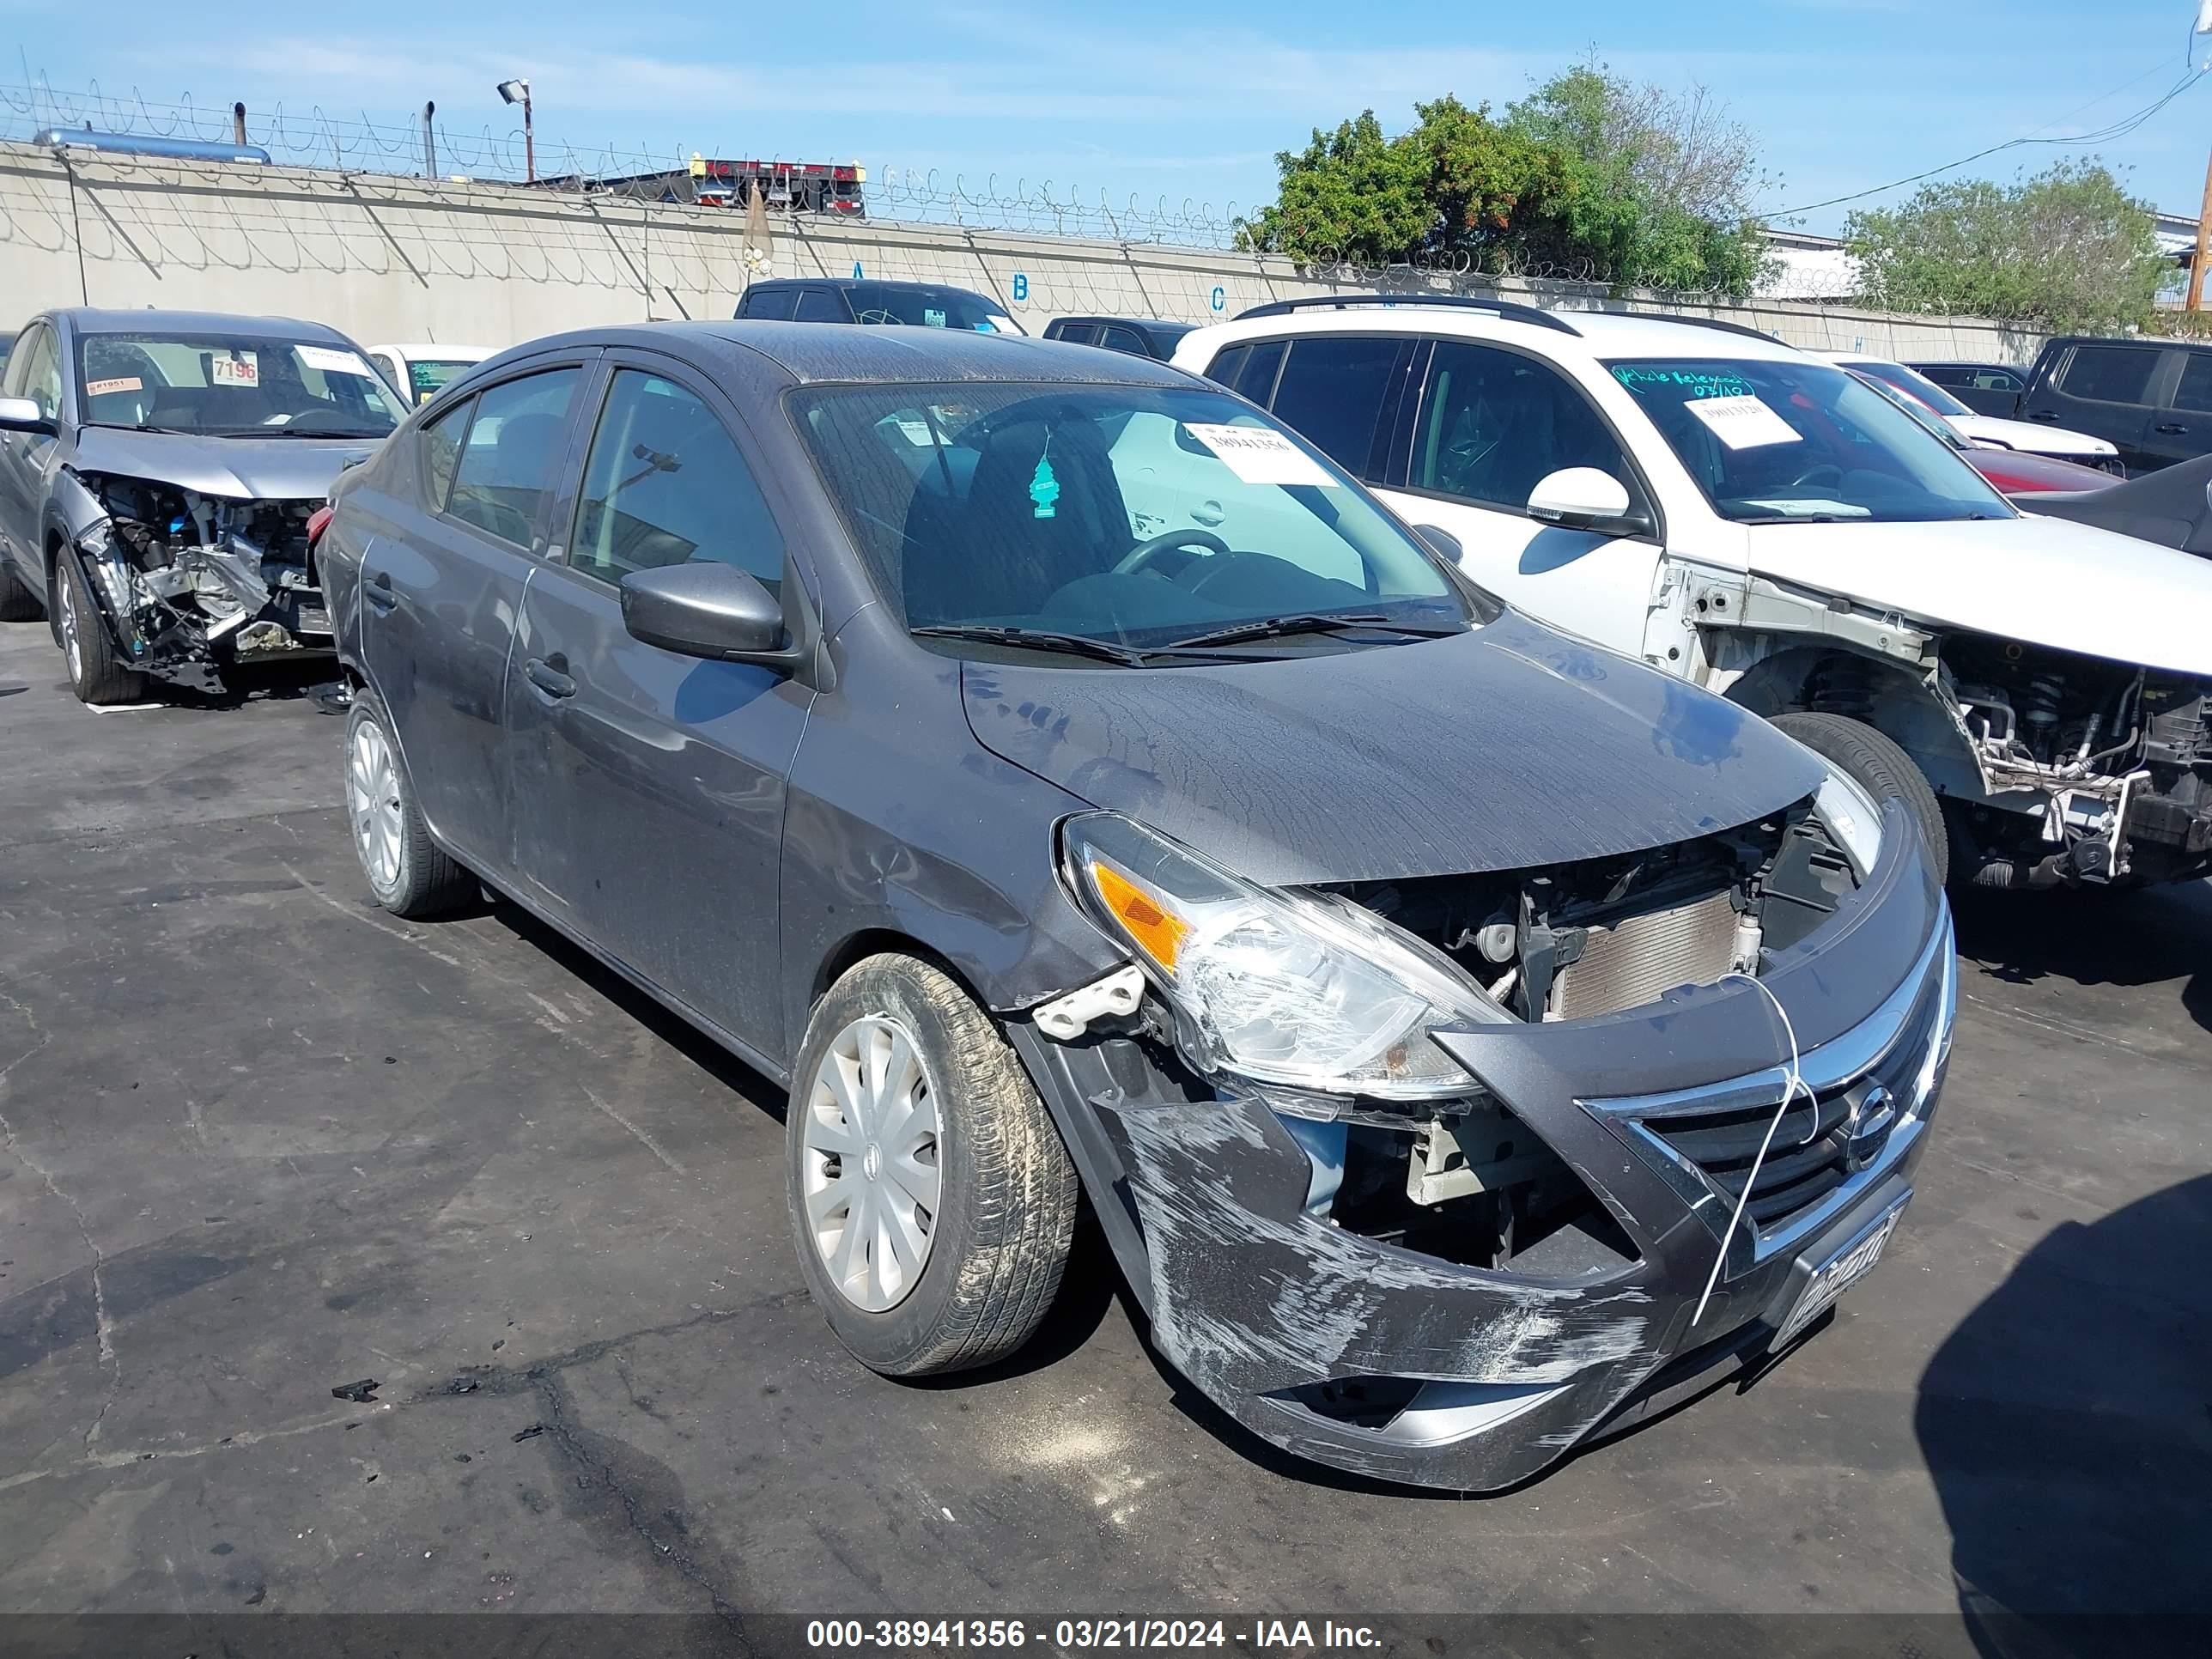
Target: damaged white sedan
x,y
159,475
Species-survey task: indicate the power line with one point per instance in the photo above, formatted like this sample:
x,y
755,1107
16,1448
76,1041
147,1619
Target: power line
x,y
2119,129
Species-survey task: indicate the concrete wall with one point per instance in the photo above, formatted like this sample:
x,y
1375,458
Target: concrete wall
x,y
385,257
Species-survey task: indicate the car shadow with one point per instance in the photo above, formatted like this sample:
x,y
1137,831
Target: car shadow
x,y
2095,936
702,1050
2068,1429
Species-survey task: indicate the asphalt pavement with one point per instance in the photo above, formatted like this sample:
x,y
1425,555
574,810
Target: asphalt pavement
x,y
263,1141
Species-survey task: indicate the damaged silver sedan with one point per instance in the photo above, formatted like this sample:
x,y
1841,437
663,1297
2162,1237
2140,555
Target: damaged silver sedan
x,y
160,473
1073,786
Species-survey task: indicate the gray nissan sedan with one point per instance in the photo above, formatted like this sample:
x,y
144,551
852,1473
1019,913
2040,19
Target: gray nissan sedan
x,y
1079,791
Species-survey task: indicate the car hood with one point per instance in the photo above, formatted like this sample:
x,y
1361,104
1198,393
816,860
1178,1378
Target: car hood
x,y
2017,473
1506,748
2041,581
242,469
2030,435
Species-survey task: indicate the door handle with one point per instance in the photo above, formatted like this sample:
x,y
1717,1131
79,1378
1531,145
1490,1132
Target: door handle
x,y
548,678
378,592
2169,426
2042,414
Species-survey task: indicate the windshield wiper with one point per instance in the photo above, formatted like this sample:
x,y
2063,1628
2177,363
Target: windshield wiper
x,y
1035,638
1314,621
294,432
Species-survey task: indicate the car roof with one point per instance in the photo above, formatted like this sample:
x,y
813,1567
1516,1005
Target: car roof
x,y
91,320
431,349
1590,335
821,353
1128,322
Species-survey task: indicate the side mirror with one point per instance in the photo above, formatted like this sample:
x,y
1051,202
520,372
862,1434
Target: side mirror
x,y
1441,543
22,415
709,610
1583,498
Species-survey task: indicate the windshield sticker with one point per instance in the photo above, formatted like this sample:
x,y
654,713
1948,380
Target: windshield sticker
x,y
1260,455
1697,382
120,383
917,433
1044,489
234,368
332,363
1743,422
932,318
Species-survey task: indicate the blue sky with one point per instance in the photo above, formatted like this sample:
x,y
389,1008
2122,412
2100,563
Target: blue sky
x,y
1155,99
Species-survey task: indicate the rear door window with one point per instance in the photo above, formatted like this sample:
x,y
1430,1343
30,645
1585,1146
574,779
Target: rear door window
x,y
2111,374
772,303
1256,378
1077,333
1333,390
818,305
513,449
2195,392
1125,339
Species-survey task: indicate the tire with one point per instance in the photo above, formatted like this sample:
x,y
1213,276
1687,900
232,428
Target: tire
x,y
996,1241
1881,769
408,873
96,670
17,602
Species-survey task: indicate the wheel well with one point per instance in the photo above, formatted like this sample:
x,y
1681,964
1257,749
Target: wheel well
x,y
875,941
1885,694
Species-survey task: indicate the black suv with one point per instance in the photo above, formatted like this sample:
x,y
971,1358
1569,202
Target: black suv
x,y
1141,336
2151,398
1986,388
852,299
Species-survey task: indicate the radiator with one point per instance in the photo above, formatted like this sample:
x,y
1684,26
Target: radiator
x,y
1635,960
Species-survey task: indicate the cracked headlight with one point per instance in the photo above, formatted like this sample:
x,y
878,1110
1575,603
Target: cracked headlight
x,y
1305,989
1850,815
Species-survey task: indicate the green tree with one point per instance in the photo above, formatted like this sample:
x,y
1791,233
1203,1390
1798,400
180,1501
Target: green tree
x,y
2068,250
1587,177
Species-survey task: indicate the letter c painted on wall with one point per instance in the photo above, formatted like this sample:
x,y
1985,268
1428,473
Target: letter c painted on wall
x,y
1220,298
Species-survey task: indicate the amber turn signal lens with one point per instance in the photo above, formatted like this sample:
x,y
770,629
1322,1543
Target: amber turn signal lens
x,y
1158,934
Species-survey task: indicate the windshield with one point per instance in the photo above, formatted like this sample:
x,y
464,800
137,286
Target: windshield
x,y
1922,416
928,308
426,376
1912,384
232,385
1138,516
1774,439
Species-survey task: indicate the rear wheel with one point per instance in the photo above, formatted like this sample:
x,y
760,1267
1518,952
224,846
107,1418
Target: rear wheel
x,y
17,602
409,873
97,671
1878,766
933,1203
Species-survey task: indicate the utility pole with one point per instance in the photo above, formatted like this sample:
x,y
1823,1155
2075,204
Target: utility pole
x,y
430,143
238,125
518,92
2203,239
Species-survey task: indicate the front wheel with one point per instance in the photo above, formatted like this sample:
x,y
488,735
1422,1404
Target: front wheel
x,y
97,672
1878,766
933,1203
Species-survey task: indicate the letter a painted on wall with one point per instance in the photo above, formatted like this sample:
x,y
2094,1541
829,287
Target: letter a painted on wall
x,y
857,272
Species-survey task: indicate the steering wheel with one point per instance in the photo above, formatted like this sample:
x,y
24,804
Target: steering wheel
x,y
1146,551
1835,475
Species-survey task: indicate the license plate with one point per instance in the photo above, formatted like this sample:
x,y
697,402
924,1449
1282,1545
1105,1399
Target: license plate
x,y
1842,1271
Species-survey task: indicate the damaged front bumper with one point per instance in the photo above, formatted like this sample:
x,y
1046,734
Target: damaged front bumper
x,y
1397,1364
184,604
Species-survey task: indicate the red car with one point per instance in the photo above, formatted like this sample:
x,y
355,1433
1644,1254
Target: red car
x,y
2013,472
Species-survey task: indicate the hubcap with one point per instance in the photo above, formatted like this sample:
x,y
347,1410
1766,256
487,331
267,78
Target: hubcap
x,y
373,804
65,613
870,1176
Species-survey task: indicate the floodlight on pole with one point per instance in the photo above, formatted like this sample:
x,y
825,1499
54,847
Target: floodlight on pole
x,y
518,92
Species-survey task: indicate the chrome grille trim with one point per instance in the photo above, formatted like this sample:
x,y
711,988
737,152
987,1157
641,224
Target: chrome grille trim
x,y
1923,1007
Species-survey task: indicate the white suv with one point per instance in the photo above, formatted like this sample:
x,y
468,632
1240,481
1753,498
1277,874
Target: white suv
x,y
1757,521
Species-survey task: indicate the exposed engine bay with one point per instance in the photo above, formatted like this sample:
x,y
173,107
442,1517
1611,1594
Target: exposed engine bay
x,y
2120,760
1465,1182
191,582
